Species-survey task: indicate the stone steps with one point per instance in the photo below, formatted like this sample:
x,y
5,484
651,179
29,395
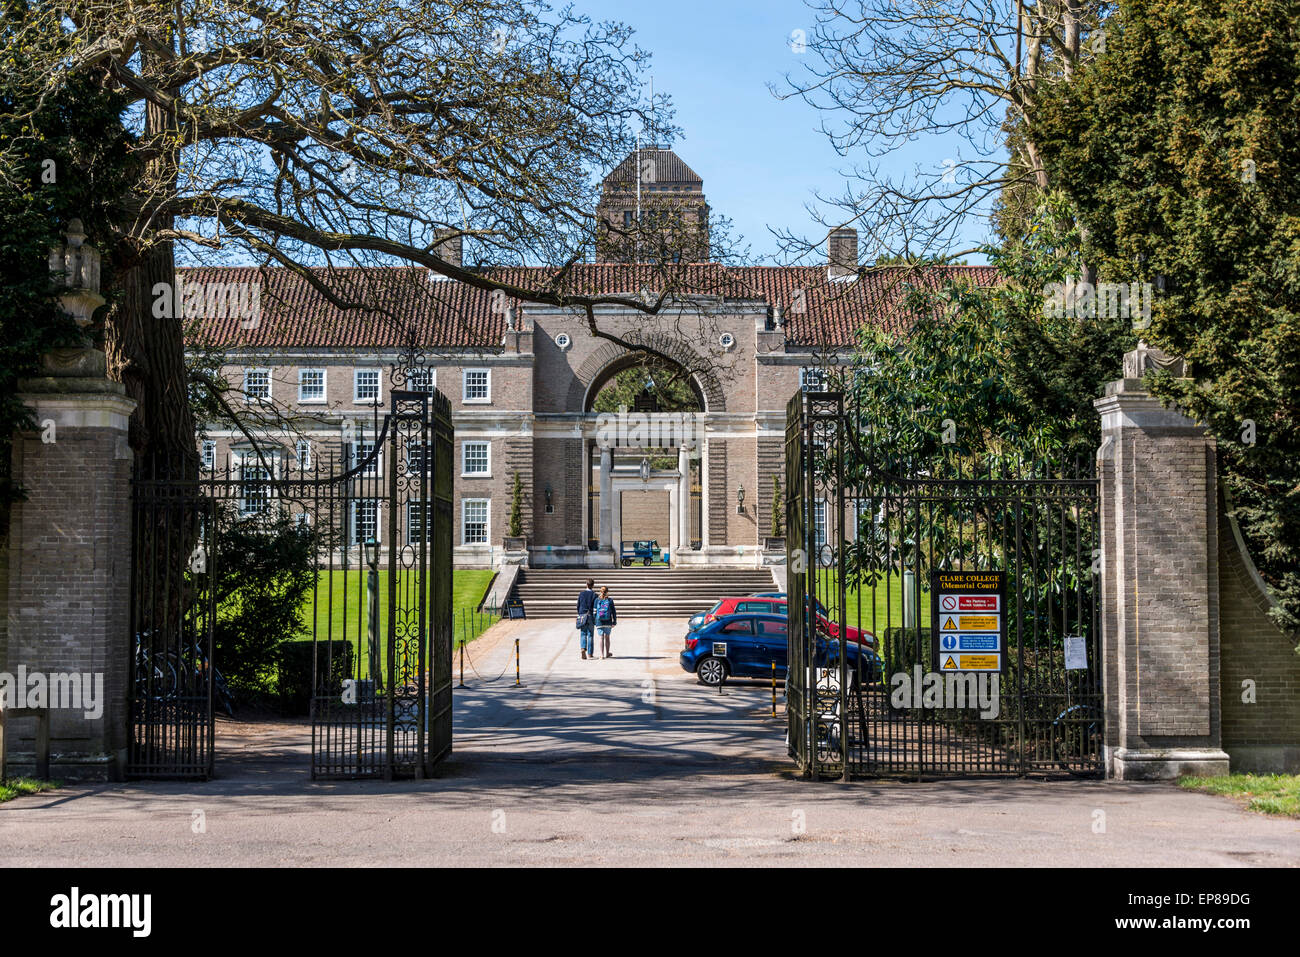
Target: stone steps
x,y
638,592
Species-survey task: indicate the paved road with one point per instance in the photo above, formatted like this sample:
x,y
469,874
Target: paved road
x,y
618,761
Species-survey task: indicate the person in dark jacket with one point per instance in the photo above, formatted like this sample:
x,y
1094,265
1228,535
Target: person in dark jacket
x,y
587,619
606,619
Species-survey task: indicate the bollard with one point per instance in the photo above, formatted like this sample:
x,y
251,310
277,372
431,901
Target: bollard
x,y
774,689
462,663
516,662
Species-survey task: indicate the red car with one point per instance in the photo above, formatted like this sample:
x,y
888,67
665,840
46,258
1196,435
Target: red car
x,y
776,606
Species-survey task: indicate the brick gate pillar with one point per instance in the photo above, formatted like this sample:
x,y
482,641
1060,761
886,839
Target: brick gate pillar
x,y
69,555
1160,583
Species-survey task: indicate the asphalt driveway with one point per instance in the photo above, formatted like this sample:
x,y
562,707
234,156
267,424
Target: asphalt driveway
x,y
619,761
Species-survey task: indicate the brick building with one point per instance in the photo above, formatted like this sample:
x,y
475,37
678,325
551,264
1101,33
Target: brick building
x,y
522,380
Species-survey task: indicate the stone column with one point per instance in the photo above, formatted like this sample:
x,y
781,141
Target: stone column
x,y
683,501
70,549
1160,600
605,555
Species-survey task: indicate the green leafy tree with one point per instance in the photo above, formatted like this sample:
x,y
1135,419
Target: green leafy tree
x,y
66,159
516,521
1178,149
264,575
777,506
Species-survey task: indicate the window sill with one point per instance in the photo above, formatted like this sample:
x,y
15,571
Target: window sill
x,y
476,475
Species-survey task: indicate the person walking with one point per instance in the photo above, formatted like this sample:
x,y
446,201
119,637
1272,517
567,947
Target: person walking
x,y
606,619
586,620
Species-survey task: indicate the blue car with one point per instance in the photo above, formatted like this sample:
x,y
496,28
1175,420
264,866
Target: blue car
x,y
754,643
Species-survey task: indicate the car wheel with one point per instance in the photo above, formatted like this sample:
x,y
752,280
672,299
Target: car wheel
x,y
711,671
646,563
627,562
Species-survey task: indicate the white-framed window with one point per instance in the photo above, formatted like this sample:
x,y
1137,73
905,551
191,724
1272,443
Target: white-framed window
x,y
819,523
365,521
811,379
419,458
473,521
311,385
208,454
303,452
476,459
361,451
254,486
365,385
478,385
415,513
421,379
257,384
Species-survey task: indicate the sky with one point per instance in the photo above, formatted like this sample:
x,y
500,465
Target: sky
x,y
761,158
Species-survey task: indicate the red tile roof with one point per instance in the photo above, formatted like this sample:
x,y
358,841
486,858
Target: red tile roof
x,y
393,306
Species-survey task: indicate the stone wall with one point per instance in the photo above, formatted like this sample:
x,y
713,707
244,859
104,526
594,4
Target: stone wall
x,y
647,514
1262,735
69,582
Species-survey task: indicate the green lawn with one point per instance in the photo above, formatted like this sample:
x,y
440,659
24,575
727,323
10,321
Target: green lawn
x,y
885,600
1266,793
343,612
16,786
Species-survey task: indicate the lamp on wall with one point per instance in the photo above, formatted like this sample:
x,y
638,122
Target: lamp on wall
x,y
645,469
549,507
740,499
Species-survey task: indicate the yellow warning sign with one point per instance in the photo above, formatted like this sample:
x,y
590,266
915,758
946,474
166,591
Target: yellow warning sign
x,y
949,624
978,623
978,662
949,664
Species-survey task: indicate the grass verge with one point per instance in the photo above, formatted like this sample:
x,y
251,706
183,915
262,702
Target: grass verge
x,y
15,786
1266,793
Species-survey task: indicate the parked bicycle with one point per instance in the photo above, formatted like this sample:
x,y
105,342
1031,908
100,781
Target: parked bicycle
x,y
1076,738
164,674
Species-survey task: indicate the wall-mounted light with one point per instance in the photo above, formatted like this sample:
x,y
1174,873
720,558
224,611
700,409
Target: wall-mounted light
x,y
549,507
740,499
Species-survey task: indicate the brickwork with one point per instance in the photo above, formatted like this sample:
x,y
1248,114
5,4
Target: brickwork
x,y
717,502
1262,735
69,558
646,514
771,462
1160,622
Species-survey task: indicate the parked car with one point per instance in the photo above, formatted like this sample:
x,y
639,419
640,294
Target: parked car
x,y
821,609
755,604
756,642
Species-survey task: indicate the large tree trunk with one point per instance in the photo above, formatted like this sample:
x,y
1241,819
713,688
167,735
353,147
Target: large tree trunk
x,y
145,352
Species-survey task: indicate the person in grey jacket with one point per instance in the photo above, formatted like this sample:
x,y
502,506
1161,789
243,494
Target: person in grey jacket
x,y
606,619
587,626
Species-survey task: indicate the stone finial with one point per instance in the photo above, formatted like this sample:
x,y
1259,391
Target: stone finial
x,y
1147,358
778,317
75,267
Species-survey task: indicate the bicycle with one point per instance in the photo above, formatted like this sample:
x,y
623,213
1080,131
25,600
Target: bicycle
x,y
1076,736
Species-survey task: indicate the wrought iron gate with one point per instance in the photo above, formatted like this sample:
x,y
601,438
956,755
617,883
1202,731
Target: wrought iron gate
x,y
866,531
370,521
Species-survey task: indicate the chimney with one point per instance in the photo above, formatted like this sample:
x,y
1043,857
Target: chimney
x,y
449,249
842,247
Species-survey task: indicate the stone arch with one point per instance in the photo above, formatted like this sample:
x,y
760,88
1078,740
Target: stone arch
x,y
592,368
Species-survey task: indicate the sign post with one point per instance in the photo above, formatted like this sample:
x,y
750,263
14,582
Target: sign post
x,y
968,618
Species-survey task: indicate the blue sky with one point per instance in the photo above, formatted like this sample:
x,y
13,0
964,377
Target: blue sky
x,y
761,158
